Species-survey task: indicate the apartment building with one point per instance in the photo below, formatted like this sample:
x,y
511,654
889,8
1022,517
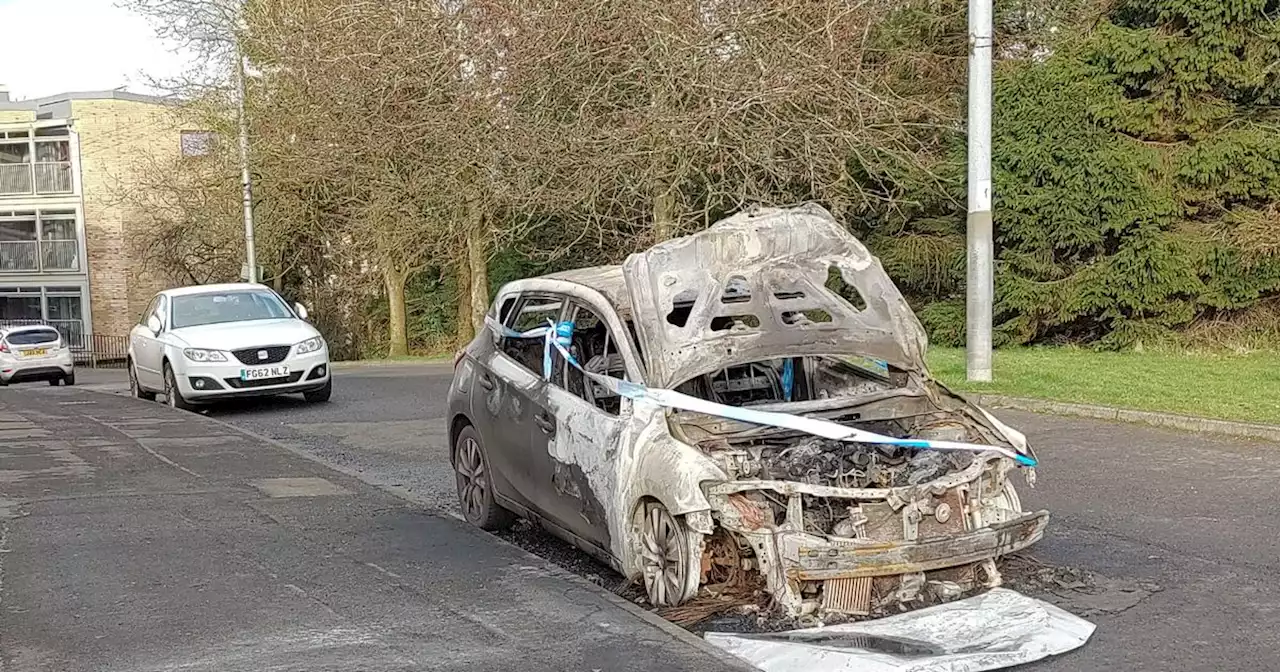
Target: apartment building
x,y
66,162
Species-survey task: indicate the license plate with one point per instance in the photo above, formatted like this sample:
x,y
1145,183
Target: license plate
x,y
35,352
264,372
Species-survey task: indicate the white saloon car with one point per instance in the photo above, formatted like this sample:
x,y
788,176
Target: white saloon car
x,y
35,353
213,342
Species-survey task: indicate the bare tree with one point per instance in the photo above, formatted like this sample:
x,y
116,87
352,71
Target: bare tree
x,y
677,111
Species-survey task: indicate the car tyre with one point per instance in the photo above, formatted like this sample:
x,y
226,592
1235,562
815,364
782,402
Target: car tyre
x,y
475,484
69,380
321,395
171,392
669,556
135,389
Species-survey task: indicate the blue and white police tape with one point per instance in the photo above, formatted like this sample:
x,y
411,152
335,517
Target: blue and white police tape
x,y
559,336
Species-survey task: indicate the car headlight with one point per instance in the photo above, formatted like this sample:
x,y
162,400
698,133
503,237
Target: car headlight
x,y
310,345
201,355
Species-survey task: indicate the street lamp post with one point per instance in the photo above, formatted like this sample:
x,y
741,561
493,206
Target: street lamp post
x,y
980,274
245,180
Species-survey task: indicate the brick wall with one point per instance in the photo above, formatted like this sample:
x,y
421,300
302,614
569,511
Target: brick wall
x,y
7,116
119,139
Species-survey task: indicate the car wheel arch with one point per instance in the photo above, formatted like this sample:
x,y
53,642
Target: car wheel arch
x,y
458,423
695,542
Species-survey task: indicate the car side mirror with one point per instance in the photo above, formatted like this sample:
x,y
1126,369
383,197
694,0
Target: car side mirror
x,y
153,323
301,310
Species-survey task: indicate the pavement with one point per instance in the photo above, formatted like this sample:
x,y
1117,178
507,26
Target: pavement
x,y
1166,539
138,538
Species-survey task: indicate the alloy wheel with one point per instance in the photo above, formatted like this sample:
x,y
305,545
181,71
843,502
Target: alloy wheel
x,y
663,555
473,481
170,397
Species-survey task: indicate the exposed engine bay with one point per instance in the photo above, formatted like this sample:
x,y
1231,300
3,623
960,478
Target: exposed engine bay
x,y
802,509
849,465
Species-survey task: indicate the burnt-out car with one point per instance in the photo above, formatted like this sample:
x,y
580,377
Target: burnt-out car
x,y
774,310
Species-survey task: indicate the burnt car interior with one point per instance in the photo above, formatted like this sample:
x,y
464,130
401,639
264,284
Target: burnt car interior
x,y
534,312
594,348
794,379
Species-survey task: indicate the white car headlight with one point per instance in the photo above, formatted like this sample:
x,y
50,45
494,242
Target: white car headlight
x,y
201,355
310,345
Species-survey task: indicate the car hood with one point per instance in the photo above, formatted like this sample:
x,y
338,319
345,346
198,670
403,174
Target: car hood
x,y
771,265
250,334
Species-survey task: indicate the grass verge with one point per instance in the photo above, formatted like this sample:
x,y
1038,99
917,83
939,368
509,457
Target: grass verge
x,y
388,361
1227,387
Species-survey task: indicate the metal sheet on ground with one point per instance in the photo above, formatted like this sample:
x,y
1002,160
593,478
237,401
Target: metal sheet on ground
x,y
998,629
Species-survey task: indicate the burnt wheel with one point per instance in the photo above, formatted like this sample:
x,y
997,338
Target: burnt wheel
x,y
667,556
475,487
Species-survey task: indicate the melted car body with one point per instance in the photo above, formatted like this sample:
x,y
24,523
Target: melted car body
x,y
778,310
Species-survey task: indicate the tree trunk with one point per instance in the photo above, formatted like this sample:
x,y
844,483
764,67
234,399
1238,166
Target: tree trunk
x,y
465,330
399,328
478,256
664,214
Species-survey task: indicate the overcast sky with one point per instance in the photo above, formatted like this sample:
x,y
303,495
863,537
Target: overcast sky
x,y
56,46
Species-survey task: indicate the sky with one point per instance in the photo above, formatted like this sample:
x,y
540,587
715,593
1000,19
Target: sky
x,y
57,46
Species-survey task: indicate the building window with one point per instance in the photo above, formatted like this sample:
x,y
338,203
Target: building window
x,y
197,143
59,244
58,307
15,166
36,241
53,166
19,246
52,131
37,163
20,304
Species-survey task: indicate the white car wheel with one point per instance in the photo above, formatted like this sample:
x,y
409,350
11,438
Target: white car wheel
x,y
134,388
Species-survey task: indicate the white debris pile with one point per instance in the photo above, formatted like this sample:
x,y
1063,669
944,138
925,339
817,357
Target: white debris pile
x,y
997,629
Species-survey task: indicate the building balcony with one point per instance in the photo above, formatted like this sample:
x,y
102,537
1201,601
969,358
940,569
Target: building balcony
x,y
45,256
41,178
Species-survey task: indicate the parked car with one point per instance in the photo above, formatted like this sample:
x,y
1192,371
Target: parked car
x,y
777,310
213,342
31,353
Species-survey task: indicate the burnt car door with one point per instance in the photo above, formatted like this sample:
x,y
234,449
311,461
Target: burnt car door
x,y
515,404
590,422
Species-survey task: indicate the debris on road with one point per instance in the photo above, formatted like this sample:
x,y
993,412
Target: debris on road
x,y
1076,590
997,629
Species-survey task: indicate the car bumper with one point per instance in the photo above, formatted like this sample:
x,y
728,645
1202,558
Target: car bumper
x,y
53,367
815,559
213,381
889,547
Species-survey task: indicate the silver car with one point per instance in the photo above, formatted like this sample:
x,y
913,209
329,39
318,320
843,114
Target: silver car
x,y
32,353
751,353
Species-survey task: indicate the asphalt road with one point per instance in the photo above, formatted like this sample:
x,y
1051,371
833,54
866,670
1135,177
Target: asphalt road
x,y
139,538
1167,540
